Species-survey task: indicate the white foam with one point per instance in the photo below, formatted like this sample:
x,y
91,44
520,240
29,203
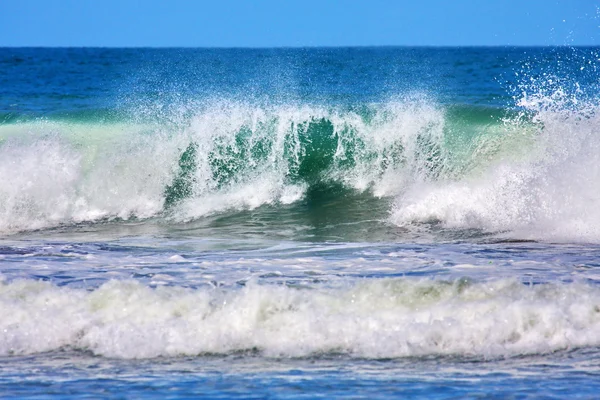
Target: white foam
x,y
548,193
373,319
61,173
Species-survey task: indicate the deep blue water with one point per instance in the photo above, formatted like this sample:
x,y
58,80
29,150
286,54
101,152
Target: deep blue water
x,y
289,223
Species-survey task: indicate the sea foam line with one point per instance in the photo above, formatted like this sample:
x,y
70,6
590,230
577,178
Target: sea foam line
x,y
372,319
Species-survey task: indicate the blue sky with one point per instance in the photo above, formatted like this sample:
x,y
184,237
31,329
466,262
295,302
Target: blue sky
x,y
275,23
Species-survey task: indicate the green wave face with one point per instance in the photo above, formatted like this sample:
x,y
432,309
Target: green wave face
x,y
238,156
318,148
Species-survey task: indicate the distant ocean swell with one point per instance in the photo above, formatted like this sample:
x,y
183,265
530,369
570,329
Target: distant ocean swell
x,y
385,318
529,171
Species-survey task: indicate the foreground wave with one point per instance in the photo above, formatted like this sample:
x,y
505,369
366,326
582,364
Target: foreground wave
x,y
384,318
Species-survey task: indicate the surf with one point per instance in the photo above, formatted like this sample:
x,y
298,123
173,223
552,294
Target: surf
x,y
375,319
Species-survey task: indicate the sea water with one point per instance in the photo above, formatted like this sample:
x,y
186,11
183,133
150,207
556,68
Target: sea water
x,y
417,222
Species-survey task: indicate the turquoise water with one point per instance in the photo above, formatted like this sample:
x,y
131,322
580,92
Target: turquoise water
x,y
419,222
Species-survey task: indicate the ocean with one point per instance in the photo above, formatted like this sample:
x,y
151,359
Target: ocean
x,y
300,222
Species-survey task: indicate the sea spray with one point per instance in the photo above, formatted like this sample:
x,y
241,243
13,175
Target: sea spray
x,y
549,193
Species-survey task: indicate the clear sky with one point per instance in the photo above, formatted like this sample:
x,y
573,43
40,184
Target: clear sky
x,y
275,23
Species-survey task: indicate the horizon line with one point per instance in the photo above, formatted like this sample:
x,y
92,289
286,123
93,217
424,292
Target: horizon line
x,y
300,47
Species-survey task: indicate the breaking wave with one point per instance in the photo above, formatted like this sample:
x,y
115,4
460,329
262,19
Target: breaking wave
x,y
549,192
527,173
224,156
